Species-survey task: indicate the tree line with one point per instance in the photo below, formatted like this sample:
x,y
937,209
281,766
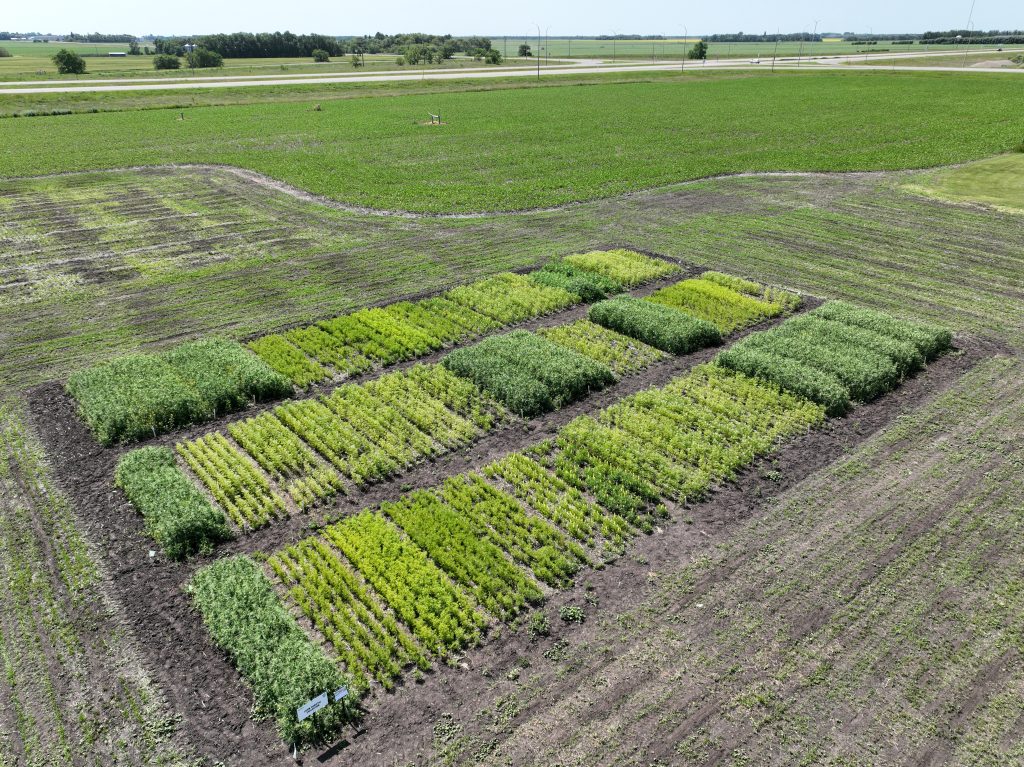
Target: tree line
x,y
248,45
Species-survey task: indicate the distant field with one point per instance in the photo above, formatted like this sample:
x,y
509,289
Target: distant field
x,y
522,148
679,46
925,60
33,62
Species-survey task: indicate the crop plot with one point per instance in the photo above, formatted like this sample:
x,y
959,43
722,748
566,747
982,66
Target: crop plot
x,y
728,303
527,373
662,327
838,354
620,353
143,394
623,266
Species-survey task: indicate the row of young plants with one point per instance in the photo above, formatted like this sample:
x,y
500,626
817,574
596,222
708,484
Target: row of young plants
x,y
726,302
365,433
406,330
141,395
276,658
371,431
838,354
488,543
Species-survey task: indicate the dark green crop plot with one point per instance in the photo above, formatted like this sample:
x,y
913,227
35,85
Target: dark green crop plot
x,y
657,325
285,669
588,285
177,515
522,148
143,394
834,362
528,374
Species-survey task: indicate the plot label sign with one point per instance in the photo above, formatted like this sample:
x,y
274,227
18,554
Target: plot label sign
x,y
341,692
306,711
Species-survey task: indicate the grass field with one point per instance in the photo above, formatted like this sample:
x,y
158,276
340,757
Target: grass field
x,y
688,566
33,62
377,152
998,181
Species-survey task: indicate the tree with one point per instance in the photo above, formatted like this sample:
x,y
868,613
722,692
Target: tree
x,y
69,62
493,56
133,49
698,51
201,58
524,50
166,61
320,55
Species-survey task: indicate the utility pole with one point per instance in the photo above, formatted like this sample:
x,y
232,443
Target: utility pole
x,y
686,34
970,18
778,34
538,53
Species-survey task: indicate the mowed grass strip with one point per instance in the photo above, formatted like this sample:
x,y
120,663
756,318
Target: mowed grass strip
x,y
534,147
527,373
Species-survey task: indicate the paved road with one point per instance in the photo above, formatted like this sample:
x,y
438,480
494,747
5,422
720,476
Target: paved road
x,y
249,81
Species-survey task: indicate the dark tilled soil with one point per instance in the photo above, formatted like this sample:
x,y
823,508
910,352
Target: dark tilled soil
x,y
203,687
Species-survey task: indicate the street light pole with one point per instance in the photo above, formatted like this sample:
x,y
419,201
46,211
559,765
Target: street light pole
x,y
686,34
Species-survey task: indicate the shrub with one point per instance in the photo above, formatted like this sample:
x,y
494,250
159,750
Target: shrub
x,y
657,325
283,667
625,266
202,58
589,286
538,626
176,514
528,374
4,53
166,61
69,62
320,55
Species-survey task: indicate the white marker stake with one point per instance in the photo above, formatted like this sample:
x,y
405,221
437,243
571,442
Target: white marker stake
x,y
306,711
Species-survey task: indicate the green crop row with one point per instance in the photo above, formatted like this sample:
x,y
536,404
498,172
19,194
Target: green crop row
x,y
723,306
365,432
655,324
287,459
672,443
144,394
438,613
236,484
624,266
486,539
176,514
527,373
620,353
406,330
283,667
366,637
784,300
837,354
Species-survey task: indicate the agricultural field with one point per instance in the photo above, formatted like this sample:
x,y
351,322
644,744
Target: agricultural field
x,y
380,155
616,464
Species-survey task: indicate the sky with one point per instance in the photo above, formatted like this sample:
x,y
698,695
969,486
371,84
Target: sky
x,y
464,17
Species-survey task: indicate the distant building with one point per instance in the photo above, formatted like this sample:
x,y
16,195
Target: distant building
x,y
117,54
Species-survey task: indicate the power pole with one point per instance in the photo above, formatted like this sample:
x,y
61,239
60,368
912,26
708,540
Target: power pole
x,y
538,53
